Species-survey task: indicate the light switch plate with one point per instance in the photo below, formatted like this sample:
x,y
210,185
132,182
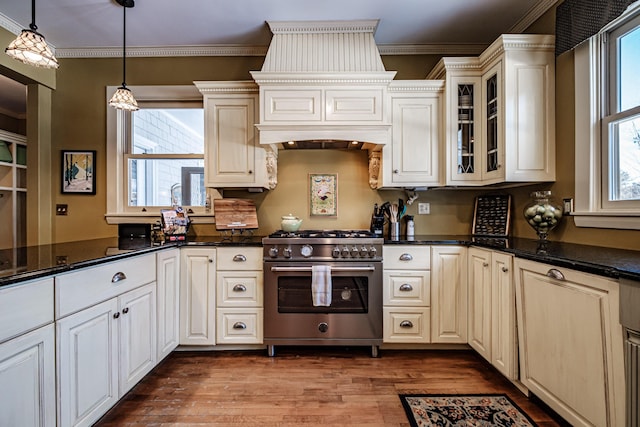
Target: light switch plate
x,y
424,208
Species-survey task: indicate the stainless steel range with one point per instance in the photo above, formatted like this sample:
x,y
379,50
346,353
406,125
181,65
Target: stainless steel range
x,y
293,263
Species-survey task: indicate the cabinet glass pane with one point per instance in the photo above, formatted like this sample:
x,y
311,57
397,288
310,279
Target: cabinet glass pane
x,y
21,178
21,219
492,123
6,176
5,152
466,148
21,155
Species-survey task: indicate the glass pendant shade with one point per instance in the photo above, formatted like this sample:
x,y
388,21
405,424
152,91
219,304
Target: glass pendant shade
x,y
123,100
31,48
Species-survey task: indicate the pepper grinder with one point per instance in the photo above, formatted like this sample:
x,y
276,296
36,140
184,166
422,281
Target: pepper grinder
x,y
410,227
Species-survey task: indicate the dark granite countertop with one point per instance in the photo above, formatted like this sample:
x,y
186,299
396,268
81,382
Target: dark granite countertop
x,y
32,262
17,265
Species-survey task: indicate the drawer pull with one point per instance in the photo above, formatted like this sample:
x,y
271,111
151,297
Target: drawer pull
x,y
239,325
118,277
406,257
485,264
239,258
239,288
405,287
406,324
125,310
505,269
555,274
116,314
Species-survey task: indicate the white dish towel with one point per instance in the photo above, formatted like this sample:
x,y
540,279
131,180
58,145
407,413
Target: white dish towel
x,y
321,285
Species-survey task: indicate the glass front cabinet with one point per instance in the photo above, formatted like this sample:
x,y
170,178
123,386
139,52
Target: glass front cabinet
x,y
500,112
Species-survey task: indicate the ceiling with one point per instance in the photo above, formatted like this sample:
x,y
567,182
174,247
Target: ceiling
x,y
93,28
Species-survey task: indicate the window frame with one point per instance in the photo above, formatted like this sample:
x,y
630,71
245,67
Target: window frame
x,y
592,119
118,131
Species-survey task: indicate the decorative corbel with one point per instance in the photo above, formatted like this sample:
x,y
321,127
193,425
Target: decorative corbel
x,y
272,168
374,169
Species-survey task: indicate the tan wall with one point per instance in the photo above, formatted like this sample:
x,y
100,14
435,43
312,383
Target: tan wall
x,y
79,123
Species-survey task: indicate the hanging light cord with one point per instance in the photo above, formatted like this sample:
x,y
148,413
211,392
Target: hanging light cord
x,y
33,25
124,45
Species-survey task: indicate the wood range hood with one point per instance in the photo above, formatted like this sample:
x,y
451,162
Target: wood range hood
x,y
323,85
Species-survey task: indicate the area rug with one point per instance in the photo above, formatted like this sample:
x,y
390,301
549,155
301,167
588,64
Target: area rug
x,y
425,410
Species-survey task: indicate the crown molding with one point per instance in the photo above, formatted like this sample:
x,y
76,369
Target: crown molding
x,y
432,49
539,9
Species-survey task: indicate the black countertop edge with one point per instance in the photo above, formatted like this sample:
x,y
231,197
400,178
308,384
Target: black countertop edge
x,y
31,263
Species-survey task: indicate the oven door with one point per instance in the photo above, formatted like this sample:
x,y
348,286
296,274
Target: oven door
x,y
356,302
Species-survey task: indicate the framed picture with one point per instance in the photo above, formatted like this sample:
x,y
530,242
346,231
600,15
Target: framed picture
x,y
323,194
78,172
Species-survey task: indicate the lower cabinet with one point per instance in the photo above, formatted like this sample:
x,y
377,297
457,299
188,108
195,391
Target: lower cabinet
x,y
492,309
168,293
27,376
197,296
571,342
103,351
448,294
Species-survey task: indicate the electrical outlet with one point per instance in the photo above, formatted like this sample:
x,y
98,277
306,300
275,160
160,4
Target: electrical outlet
x,y
61,209
424,208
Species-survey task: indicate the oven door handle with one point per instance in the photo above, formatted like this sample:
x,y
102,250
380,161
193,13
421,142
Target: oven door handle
x,y
308,269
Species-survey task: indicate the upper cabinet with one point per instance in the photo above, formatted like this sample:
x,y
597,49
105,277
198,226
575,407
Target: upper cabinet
x,y
233,156
500,112
413,157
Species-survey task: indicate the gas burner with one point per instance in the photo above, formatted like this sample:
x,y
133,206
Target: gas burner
x,y
319,234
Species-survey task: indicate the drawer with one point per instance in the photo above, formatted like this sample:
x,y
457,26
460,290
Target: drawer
x,y
25,306
283,105
406,257
239,289
354,105
89,286
406,325
407,288
239,326
239,258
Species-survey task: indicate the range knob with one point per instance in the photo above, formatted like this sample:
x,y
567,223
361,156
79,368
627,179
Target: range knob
x,y
345,251
372,252
335,252
355,252
323,327
286,252
306,251
273,252
364,251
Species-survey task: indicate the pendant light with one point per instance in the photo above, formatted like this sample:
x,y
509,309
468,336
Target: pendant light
x,y
30,46
123,98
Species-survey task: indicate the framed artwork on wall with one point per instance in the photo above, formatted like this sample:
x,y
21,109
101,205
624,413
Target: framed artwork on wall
x,y
78,172
323,194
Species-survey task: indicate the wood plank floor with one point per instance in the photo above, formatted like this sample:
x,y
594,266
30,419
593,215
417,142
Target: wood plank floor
x,y
304,386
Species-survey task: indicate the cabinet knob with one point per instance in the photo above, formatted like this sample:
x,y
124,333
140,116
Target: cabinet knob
x,y
210,260
505,269
239,325
239,288
406,257
116,314
406,324
485,264
118,277
125,310
239,258
250,172
405,287
396,171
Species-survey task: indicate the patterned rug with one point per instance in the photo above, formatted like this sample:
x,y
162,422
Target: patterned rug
x,y
424,410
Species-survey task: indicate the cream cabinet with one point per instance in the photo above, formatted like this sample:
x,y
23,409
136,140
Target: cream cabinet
x,y
413,157
500,112
492,309
106,335
571,342
197,296
448,294
239,295
168,293
27,355
406,294
233,156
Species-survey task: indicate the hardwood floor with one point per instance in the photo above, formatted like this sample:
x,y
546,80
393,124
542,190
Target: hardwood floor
x,y
304,386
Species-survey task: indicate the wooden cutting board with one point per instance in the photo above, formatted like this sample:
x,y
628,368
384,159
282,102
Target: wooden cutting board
x,y
235,214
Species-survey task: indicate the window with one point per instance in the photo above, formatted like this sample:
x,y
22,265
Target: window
x,y
155,156
608,125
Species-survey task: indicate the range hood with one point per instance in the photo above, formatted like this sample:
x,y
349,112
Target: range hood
x,y
323,84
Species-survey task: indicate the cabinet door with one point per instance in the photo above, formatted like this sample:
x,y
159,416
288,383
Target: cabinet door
x,y
480,301
448,294
571,351
492,161
415,141
137,330
230,148
87,358
27,375
504,347
465,124
168,293
197,296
